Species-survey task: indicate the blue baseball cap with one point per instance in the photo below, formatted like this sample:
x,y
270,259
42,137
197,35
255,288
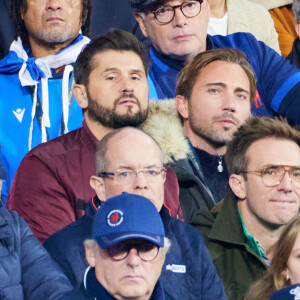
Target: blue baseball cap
x,y
291,292
127,216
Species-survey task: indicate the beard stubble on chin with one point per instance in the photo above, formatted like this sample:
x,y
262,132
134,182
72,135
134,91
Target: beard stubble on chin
x,y
205,130
111,119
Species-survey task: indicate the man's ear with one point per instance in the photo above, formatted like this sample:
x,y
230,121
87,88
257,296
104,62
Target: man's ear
x,y
90,255
182,106
97,184
79,91
140,18
237,185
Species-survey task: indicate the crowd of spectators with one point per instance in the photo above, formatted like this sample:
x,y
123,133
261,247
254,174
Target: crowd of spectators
x,y
149,149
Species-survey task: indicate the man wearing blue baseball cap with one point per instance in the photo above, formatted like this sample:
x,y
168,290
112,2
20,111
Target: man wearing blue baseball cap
x,y
129,160
127,252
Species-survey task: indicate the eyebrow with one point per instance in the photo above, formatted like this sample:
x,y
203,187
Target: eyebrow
x,y
147,167
117,69
279,166
222,84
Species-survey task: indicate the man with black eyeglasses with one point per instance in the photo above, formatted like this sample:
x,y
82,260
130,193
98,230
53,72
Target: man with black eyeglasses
x,y
263,161
126,253
177,30
129,160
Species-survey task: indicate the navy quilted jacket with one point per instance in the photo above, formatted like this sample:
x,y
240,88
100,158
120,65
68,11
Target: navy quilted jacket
x,y
26,269
188,272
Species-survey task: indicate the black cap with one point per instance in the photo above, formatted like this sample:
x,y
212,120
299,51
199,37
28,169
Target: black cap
x,y
139,4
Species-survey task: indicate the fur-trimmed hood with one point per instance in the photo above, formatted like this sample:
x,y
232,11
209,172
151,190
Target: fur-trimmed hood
x,y
164,125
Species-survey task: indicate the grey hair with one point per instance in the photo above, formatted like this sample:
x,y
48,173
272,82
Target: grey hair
x,y
92,243
296,9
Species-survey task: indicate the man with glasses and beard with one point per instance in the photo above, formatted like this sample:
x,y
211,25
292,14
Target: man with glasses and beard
x,y
51,187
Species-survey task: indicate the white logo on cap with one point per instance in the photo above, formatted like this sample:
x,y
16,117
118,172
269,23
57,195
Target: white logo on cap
x,y
115,218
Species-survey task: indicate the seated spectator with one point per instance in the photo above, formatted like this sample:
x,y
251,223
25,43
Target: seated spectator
x,y
229,16
294,56
127,251
214,92
282,15
263,161
51,187
36,77
176,33
26,269
284,268
128,160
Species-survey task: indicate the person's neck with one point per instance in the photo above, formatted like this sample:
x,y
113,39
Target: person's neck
x,y
39,50
265,235
218,8
203,144
97,129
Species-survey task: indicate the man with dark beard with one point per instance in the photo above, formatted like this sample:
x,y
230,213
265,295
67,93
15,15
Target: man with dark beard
x,y
51,187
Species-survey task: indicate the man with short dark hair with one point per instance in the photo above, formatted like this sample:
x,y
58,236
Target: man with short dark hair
x,y
263,161
188,270
177,29
214,92
51,187
127,251
36,77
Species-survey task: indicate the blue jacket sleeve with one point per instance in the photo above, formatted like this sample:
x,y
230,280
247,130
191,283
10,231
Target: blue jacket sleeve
x,y
277,79
41,277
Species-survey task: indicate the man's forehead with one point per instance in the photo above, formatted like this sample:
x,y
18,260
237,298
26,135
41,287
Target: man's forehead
x,y
229,73
112,58
270,151
133,146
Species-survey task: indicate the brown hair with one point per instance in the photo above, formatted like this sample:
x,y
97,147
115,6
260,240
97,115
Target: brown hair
x,y
189,74
275,277
254,129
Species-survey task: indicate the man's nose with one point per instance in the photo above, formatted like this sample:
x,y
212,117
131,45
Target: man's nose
x,y
140,180
228,102
286,183
179,19
54,4
133,258
126,85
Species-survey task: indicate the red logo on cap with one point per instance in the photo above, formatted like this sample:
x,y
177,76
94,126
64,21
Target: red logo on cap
x,y
114,217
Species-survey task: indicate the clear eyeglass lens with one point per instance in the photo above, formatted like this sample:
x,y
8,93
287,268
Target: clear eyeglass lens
x,y
191,8
273,176
126,176
165,14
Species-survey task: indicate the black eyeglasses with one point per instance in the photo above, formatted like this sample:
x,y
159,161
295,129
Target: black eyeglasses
x,y
145,251
273,175
125,176
166,13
